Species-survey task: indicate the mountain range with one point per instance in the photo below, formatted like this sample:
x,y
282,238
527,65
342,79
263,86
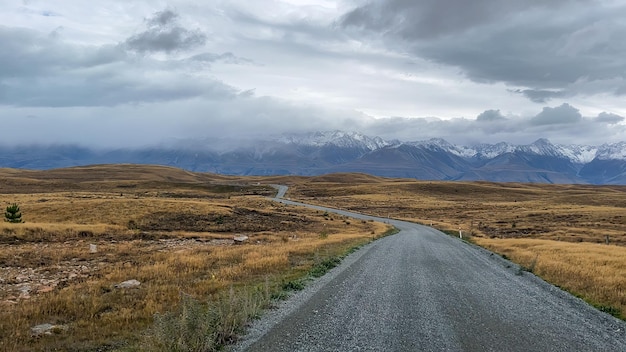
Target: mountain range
x,y
337,151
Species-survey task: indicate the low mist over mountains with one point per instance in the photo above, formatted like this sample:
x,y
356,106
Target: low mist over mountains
x,y
337,151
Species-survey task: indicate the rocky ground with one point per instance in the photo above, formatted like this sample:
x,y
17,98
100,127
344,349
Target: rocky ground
x,y
18,283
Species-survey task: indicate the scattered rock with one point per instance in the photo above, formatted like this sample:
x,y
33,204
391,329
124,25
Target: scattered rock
x,y
93,248
128,284
22,278
47,329
18,284
24,290
240,239
41,329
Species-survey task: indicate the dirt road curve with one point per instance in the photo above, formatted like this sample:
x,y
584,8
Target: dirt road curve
x,y
421,290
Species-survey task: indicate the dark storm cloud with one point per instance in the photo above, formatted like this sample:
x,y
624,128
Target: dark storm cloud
x,y
490,115
608,118
427,19
165,35
564,114
553,48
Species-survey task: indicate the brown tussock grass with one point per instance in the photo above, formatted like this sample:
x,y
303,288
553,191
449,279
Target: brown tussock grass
x,y
561,212
593,271
99,314
170,230
561,227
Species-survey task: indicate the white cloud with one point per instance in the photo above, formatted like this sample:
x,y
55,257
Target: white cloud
x,y
135,73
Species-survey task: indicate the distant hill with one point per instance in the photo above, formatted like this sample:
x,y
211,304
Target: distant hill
x,y
336,151
124,176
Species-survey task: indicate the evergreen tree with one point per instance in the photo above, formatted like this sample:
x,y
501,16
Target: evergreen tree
x,y
13,214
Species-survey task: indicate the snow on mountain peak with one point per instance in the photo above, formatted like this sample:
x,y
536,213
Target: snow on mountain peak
x,y
579,154
541,146
616,151
489,151
336,138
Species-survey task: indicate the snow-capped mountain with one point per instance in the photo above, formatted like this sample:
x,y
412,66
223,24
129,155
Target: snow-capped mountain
x,y
335,138
339,151
616,151
579,154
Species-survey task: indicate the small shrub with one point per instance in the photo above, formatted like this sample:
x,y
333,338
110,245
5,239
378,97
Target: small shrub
x,y
13,214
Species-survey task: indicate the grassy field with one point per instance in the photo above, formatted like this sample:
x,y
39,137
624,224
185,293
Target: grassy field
x,y
559,231
593,271
173,231
168,229
570,213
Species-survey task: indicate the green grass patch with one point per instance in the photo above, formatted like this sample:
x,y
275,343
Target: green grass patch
x,y
323,267
610,310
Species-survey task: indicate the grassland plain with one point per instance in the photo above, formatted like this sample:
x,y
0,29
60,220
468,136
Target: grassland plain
x,y
173,232
559,232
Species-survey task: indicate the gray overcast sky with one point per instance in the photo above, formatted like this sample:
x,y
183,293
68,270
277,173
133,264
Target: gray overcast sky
x,y
133,73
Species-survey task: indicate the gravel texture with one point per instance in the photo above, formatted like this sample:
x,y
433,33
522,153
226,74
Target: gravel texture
x,y
421,290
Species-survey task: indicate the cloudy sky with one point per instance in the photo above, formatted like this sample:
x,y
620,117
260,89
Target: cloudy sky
x,y
135,73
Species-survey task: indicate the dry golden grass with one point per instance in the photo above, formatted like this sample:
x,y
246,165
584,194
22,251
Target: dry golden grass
x,y
169,229
172,230
561,226
561,212
594,271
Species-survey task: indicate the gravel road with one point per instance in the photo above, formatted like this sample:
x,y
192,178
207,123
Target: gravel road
x,y
421,290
